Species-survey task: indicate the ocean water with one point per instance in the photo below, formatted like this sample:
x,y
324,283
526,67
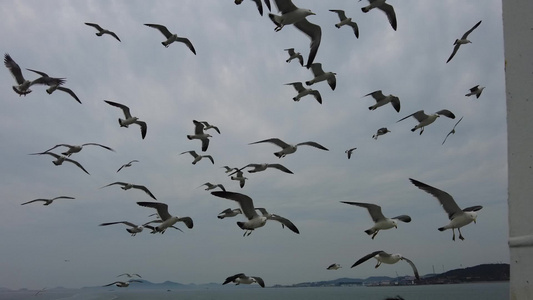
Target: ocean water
x,y
471,291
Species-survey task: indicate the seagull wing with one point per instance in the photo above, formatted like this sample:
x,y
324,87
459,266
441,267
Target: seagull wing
x,y
403,218
145,189
120,222
340,13
412,266
445,199
187,220
316,68
373,209
63,197
280,167
259,280
144,128
455,48
447,113
114,35
314,144
162,209
14,69
43,74
285,6
314,32
246,203
192,152
259,5
198,127
366,257
317,95
96,144
391,15
205,145
395,101
161,28
210,158
298,86
117,182
35,200
470,31
274,141
473,208
285,222
95,26
77,164
187,42
232,278
377,95
124,108
70,92
419,115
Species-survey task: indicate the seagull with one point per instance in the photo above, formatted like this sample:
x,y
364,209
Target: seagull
x,y
102,31
228,169
154,229
200,135
241,278
349,152
166,219
209,126
345,21
477,90
130,275
129,164
48,201
381,222
127,186
386,8
287,148
258,3
424,120
262,167
47,80
461,41
228,213
197,157
77,148
298,86
51,89
384,257
133,230
23,87
458,217
239,177
284,222
129,119
60,159
382,100
451,132
171,37
254,220
320,75
381,131
294,55
290,14
123,283
211,186
334,267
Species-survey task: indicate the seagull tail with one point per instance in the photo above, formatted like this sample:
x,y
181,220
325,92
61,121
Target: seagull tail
x,y
276,19
365,9
189,137
413,130
442,229
369,231
241,224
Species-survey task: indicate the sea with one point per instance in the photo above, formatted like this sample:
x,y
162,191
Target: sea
x,y
466,291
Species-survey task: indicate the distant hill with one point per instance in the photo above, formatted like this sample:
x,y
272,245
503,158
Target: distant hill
x,y
486,272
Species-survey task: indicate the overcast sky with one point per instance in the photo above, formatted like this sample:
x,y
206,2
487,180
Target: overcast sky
x,y
236,82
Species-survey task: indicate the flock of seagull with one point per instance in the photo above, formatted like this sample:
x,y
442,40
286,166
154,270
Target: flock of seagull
x,y
257,217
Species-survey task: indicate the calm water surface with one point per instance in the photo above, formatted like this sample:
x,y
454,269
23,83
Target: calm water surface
x,y
474,291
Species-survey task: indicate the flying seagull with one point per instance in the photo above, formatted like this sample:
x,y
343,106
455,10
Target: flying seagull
x,y
134,229
61,158
200,135
126,165
102,31
262,167
172,37
451,132
130,275
345,21
241,278
381,131
386,8
197,157
284,222
458,217
334,267
48,201
254,220
23,87
424,120
209,126
126,186
462,40
258,4
384,257
128,118
477,90
228,169
380,221
295,55
290,14
211,186
77,148
228,213
123,283
382,100
51,89
240,178
167,220
320,75
349,152
47,80
287,148
298,86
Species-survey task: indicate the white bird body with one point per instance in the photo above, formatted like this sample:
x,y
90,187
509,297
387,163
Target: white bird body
x,y
172,37
302,92
197,157
345,21
166,220
199,134
129,119
294,55
424,120
382,100
240,178
320,75
384,257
